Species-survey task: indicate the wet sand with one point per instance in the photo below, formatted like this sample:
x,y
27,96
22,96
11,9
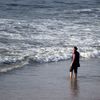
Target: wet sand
x,y
51,81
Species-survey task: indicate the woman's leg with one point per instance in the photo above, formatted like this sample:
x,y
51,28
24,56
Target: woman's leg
x,y
75,73
71,75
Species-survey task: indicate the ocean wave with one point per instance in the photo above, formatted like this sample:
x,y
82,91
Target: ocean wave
x,y
48,54
86,10
43,55
46,40
26,5
58,54
6,68
91,54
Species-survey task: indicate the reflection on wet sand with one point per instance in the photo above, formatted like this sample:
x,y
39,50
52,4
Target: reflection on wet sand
x,y
74,88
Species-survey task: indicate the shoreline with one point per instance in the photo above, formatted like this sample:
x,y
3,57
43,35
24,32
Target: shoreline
x,y
50,81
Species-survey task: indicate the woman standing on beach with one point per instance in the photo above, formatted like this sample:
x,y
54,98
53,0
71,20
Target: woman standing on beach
x,y
75,63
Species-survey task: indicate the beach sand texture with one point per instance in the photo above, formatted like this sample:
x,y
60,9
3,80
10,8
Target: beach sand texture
x,y
50,81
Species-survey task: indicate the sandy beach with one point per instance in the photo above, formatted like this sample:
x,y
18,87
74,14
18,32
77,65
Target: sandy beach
x,y
50,81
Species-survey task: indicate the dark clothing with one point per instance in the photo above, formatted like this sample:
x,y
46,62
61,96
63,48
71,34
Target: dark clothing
x,y
75,63
73,68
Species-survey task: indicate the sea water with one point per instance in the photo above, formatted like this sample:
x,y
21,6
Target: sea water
x,y
46,30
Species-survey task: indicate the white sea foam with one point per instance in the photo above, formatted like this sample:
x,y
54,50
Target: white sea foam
x,y
56,54
48,31
91,54
11,67
49,54
43,55
46,40
82,10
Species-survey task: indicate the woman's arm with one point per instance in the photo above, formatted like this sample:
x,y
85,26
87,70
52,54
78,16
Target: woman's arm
x,y
73,59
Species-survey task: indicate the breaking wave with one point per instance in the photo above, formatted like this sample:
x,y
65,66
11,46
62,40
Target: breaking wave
x,y
44,55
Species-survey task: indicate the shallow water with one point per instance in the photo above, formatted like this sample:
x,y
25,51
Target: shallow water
x,y
51,81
